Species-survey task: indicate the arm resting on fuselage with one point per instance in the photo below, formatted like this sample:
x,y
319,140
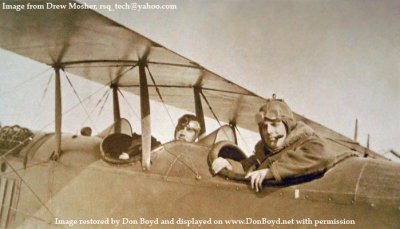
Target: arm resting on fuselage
x,y
310,158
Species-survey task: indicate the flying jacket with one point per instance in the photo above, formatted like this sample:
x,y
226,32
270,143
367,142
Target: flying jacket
x,y
304,153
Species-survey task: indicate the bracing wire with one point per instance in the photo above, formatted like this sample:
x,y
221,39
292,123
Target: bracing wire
x,y
45,90
28,186
42,98
209,107
80,101
159,95
212,111
13,89
73,107
30,215
23,142
94,108
241,137
70,109
127,103
104,103
16,172
124,72
178,158
15,147
117,77
3,157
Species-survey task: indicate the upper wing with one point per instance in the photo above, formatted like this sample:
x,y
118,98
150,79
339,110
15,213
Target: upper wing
x,y
92,46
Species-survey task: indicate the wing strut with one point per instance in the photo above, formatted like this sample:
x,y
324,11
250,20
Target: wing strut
x,y
356,131
394,153
233,126
58,114
366,152
145,117
117,113
199,109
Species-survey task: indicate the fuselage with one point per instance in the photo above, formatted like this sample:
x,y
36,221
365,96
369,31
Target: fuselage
x,y
180,189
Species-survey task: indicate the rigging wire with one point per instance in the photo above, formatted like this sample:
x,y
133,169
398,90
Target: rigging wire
x,y
24,168
36,117
216,118
80,101
24,82
104,103
15,147
94,108
27,185
30,215
172,164
45,90
23,142
73,107
127,103
159,95
178,158
241,137
209,107
118,77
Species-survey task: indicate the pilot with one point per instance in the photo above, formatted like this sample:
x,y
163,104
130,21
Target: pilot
x,y
188,128
287,149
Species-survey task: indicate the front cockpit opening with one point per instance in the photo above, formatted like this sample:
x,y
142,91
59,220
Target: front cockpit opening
x,y
117,148
123,147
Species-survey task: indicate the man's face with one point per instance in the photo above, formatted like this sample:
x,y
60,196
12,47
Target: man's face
x,y
274,134
188,133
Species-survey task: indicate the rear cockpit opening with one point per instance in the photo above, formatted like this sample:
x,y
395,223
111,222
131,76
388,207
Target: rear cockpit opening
x,y
224,133
228,150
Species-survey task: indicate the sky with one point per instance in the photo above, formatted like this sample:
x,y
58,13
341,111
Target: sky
x,y
332,61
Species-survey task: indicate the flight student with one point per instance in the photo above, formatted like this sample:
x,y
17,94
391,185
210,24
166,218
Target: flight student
x,y
188,128
287,149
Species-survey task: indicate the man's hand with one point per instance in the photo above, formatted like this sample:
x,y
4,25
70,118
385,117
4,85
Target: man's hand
x,y
220,163
257,177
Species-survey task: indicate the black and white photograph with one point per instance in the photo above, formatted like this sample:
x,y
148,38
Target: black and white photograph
x,y
199,114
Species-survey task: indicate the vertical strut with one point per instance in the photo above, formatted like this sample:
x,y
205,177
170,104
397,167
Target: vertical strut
x,y
58,114
366,152
145,117
233,126
356,131
199,109
117,114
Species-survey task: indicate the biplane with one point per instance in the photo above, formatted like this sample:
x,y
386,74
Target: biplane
x,y
51,179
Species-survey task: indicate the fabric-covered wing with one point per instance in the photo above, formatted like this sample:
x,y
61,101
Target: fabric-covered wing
x,y
92,46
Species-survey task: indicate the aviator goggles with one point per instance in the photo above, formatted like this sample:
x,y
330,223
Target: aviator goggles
x,y
187,124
